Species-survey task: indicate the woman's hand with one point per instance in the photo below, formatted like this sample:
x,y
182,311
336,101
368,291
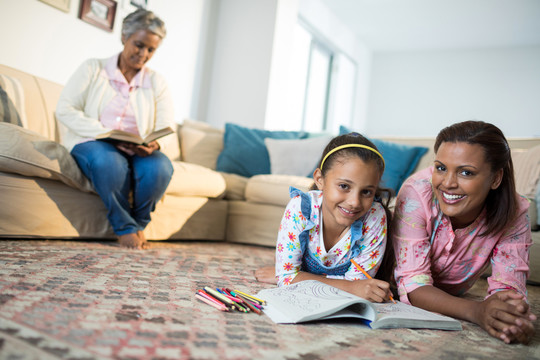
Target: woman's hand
x,y
140,150
505,315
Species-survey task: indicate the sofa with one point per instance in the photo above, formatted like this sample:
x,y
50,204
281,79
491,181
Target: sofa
x,y
44,194
229,184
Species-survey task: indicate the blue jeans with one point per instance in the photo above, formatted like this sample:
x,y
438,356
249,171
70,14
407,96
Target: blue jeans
x,y
115,174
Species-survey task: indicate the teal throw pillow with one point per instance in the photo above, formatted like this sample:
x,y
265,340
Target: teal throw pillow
x,y
244,151
400,160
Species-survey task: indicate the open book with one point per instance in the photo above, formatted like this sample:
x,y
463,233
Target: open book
x,y
313,300
120,135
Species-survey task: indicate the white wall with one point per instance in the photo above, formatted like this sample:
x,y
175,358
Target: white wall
x,y
328,26
49,43
251,53
418,93
240,72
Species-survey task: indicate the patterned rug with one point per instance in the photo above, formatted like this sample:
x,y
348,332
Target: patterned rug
x,y
92,300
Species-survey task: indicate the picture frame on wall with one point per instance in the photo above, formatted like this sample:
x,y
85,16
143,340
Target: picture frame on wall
x,y
100,13
140,4
63,5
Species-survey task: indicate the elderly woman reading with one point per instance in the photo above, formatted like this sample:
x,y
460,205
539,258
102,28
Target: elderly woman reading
x,y
121,93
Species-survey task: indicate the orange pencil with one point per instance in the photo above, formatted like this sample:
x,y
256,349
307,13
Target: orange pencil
x,y
367,275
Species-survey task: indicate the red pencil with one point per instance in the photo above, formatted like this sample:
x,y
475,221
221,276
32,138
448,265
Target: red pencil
x,y
211,303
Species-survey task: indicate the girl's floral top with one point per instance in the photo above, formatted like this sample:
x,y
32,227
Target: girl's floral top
x,y
429,252
368,234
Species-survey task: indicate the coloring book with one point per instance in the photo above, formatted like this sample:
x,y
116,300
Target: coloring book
x,y
312,300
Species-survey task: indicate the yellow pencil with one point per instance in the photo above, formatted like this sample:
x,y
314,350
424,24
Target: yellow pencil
x,y
367,275
262,302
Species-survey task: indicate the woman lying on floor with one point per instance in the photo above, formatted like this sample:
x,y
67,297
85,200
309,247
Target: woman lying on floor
x,y
456,218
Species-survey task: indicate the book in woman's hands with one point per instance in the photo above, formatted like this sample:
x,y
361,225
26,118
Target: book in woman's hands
x,y
313,300
119,135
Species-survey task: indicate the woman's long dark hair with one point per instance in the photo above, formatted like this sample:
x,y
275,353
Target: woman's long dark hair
x,y
382,195
501,203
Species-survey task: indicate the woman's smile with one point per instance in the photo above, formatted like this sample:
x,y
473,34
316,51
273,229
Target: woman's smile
x,y
462,179
451,198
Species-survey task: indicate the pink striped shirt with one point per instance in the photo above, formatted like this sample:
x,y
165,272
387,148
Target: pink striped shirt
x,y
429,252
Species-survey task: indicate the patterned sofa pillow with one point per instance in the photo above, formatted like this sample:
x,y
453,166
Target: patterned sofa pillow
x,y
12,101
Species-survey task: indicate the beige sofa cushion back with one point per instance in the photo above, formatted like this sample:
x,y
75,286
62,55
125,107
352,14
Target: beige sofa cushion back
x,y
40,100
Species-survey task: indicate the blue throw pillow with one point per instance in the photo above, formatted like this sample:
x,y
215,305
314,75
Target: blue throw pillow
x,y
244,151
400,159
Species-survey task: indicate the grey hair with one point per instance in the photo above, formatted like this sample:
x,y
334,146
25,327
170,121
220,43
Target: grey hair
x,y
142,19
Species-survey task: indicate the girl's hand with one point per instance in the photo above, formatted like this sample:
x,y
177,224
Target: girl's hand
x,y
371,289
506,316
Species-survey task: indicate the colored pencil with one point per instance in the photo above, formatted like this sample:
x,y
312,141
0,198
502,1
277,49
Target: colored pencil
x,y
248,300
253,307
367,275
228,292
239,302
211,298
262,302
211,303
218,296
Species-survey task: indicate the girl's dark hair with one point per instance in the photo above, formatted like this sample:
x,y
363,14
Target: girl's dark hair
x,y
501,203
382,195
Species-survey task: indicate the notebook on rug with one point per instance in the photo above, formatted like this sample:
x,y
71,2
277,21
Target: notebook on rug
x,y
313,300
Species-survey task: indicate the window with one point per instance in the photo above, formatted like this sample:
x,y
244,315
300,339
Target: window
x,y
322,84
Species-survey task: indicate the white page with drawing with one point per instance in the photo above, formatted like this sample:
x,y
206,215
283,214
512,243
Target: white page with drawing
x,y
313,300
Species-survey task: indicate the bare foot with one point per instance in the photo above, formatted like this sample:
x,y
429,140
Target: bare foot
x,y
141,236
266,274
130,241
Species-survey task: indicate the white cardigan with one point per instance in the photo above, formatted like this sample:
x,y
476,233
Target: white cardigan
x,y
88,92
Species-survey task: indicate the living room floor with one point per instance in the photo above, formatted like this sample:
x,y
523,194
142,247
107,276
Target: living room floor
x,y
94,300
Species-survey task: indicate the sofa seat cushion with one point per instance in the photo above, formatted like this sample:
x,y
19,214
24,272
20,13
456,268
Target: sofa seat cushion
x,y
195,180
274,189
25,152
236,186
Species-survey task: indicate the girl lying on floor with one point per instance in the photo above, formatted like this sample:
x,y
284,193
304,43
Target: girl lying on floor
x,y
341,219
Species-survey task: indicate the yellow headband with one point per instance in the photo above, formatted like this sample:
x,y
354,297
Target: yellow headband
x,y
351,146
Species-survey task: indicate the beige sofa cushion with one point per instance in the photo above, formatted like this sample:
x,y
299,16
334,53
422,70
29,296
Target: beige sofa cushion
x,y
274,189
200,143
527,175
527,171
27,153
236,186
195,180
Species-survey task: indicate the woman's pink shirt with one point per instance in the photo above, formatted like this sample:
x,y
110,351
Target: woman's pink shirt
x,y
429,252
